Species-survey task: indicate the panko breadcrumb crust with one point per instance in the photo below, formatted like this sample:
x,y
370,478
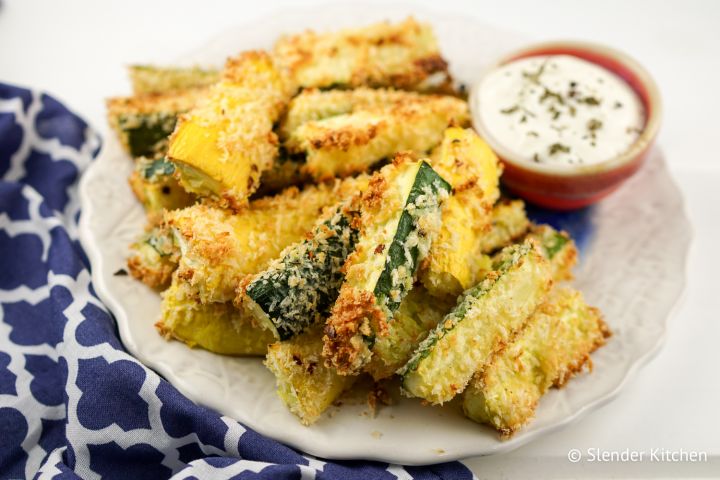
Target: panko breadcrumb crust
x,y
261,146
400,55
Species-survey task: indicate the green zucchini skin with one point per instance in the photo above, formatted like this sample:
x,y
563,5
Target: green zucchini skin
x,y
511,257
426,179
553,345
157,169
297,290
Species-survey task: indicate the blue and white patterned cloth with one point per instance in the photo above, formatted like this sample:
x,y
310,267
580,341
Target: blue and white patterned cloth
x,y
73,403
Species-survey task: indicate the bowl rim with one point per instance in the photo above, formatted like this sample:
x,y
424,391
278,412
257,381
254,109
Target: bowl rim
x,y
652,104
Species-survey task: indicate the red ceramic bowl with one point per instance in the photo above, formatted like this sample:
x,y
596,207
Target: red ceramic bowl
x,y
569,187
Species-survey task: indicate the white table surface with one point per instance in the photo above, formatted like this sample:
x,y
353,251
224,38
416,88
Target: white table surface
x,y
76,50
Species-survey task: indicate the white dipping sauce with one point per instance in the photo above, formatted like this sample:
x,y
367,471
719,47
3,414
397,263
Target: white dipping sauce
x,y
559,110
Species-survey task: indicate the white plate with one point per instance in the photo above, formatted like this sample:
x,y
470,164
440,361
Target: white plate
x,y
633,268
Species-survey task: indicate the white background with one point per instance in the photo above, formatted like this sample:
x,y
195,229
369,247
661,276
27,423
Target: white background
x,y
77,50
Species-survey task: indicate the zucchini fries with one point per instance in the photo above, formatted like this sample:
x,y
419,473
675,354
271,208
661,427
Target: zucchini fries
x,y
365,127
400,216
223,145
154,185
554,344
305,384
298,288
456,258
485,317
144,122
150,79
154,257
326,205
220,248
402,55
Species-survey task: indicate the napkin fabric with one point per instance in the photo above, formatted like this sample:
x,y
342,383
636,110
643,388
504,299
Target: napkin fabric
x,y
73,402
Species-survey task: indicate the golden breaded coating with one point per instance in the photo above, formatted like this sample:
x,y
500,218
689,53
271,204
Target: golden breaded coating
x,y
314,104
554,344
143,123
217,327
419,313
402,55
558,247
508,223
298,288
152,79
456,261
400,217
304,383
154,257
485,318
350,143
226,142
219,248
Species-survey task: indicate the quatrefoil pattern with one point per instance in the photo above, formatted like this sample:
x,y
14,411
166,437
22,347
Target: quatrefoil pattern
x,y
73,403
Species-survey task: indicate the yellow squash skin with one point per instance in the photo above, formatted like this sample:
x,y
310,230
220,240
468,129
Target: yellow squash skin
x,y
150,111
217,327
554,344
224,144
456,258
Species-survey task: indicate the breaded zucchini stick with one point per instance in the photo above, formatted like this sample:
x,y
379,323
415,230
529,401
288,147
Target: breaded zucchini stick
x,y
313,104
154,257
151,79
223,145
400,216
297,289
555,343
456,259
217,327
143,123
153,184
350,143
220,248
402,55
308,387
304,383
485,317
